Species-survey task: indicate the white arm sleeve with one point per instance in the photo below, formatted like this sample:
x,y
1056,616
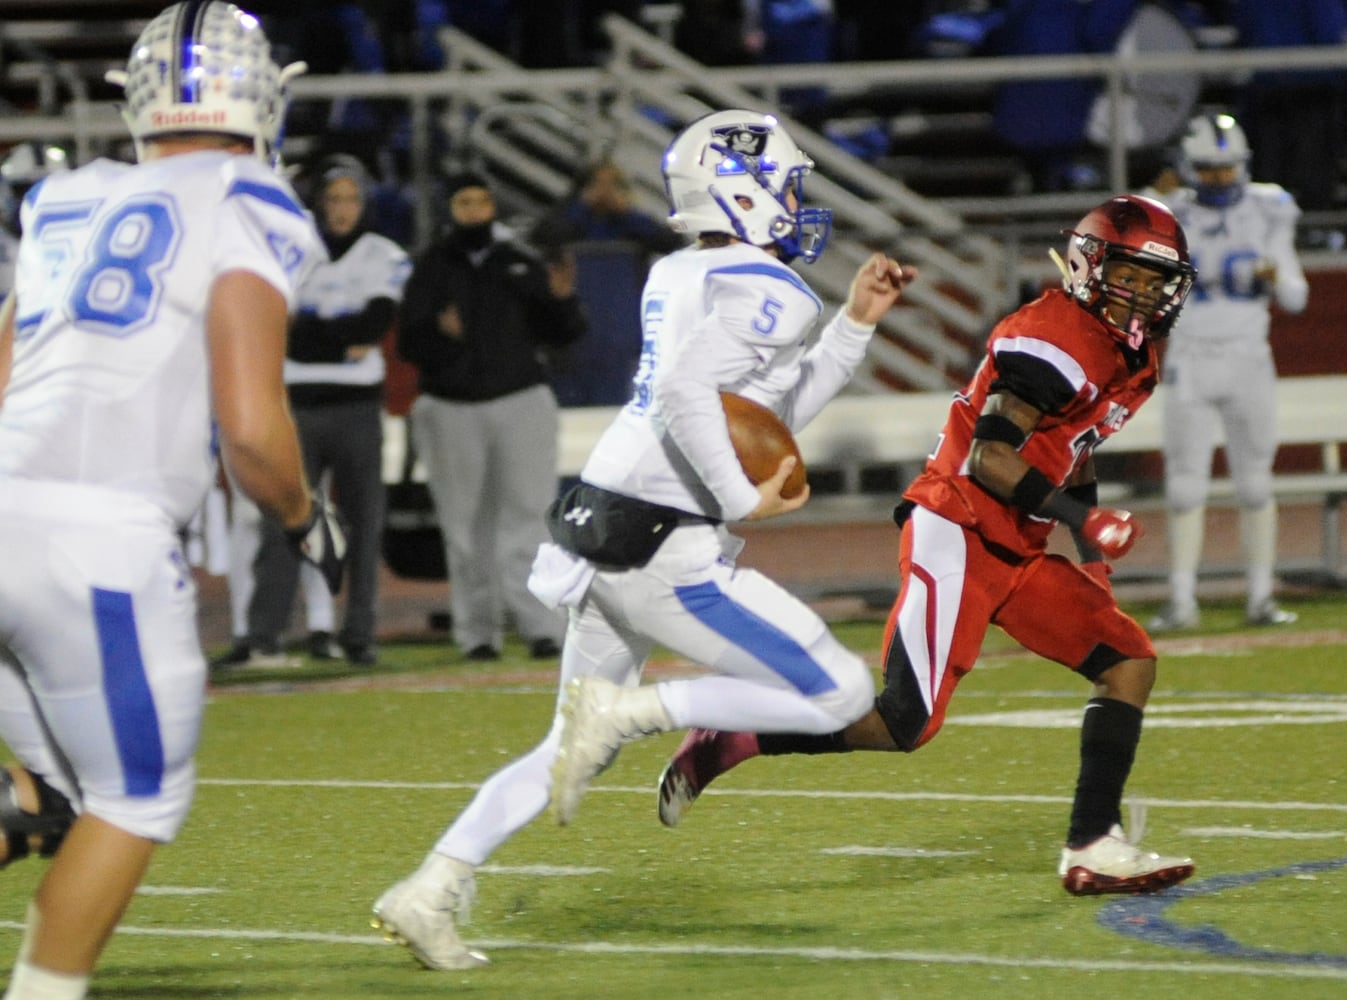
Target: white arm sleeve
x,y
825,369
1291,290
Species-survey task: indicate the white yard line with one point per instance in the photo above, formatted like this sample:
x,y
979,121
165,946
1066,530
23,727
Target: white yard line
x,y
1268,970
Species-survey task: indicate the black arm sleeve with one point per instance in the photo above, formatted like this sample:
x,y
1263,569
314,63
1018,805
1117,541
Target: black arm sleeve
x,y
419,340
1033,380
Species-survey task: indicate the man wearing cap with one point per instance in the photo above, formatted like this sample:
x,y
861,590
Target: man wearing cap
x,y
477,315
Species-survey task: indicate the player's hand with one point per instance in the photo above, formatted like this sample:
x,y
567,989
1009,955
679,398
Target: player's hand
x,y
772,503
1098,571
1112,532
321,540
876,288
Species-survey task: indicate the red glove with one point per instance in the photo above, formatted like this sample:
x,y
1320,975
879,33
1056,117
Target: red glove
x,y
1112,532
1098,571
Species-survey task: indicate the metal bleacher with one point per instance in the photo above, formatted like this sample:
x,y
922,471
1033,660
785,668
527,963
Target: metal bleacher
x,y
532,130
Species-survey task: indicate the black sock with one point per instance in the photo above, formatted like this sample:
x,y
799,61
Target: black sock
x,y
774,744
1108,745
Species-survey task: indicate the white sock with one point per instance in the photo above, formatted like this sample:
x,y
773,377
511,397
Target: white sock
x,y
1185,552
1258,539
736,705
28,982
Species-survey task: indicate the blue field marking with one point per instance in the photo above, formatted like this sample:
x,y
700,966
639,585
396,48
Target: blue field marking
x,y
1144,917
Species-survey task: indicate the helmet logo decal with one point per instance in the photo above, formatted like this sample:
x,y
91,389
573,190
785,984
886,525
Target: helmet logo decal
x,y
744,140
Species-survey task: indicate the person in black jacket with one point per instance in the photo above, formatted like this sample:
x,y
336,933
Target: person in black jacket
x,y
477,316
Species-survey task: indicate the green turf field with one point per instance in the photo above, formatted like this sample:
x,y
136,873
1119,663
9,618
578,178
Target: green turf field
x,y
859,876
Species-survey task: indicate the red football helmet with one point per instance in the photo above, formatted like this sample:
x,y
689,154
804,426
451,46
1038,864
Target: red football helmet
x,y
1132,230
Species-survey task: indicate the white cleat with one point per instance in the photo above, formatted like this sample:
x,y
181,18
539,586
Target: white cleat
x,y
1112,864
591,736
420,916
597,718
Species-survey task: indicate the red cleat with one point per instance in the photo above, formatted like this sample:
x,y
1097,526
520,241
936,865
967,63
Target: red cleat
x,y
703,755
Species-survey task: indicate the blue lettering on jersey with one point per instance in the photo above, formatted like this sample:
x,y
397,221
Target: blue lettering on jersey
x,y
652,319
284,250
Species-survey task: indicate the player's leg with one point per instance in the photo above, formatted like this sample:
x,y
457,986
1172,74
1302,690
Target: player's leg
x,y
1250,417
423,911
1111,650
1189,431
776,666
934,632
112,660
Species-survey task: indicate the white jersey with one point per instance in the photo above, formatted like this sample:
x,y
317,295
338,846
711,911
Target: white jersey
x,y
110,381
734,319
1227,305
374,267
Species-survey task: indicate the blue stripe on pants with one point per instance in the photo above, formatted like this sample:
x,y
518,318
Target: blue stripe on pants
x,y
709,605
135,722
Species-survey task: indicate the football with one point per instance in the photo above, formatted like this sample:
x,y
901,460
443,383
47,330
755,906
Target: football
x,y
761,440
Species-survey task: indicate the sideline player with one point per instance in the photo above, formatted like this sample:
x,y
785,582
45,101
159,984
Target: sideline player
x,y
642,554
1219,368
150,299
1060,375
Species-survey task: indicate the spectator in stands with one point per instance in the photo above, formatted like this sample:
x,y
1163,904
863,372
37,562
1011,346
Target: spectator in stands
x,y
1045,119
720,32
477,312
1294,117
334,370
613,243
1219,366
600,208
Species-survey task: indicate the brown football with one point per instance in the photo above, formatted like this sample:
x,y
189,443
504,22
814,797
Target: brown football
x,y
761,440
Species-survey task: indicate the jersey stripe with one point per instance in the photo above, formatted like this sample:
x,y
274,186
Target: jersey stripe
x,y
265,192
135,721
1068,366
772,271
709,605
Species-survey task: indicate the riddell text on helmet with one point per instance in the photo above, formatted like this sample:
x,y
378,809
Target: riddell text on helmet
x,y
188,116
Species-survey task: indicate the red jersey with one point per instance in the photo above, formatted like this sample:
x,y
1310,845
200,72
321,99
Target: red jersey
x,y
1062,360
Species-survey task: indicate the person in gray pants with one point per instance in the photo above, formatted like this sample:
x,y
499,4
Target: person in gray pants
x,y
477,316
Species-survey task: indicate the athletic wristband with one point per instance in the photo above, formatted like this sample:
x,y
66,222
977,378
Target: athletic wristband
x,y
1066,509
1086,493
1031,491
994,427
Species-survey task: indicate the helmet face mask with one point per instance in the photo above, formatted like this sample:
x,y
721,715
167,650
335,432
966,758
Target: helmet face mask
x,y
205,66
1214,160
739,172
1127,264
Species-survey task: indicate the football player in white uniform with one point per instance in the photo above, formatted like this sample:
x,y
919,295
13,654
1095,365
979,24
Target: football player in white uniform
x,y
145,333
641,555
1219,367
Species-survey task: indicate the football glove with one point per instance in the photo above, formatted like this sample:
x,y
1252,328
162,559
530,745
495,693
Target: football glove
x,y
1112,532
322,541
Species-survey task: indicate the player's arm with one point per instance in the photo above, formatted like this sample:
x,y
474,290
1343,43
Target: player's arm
x,y
245,332
994,461
6,341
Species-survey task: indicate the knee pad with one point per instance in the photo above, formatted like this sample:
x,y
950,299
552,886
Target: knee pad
x,y
1186,491
50,822
1254,492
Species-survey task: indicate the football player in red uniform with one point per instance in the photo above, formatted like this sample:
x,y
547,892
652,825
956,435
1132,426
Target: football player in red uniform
x,y
1060,375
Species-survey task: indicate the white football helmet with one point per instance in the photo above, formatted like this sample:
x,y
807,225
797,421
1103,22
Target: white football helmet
x,y
205,66
731,172
1213,142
